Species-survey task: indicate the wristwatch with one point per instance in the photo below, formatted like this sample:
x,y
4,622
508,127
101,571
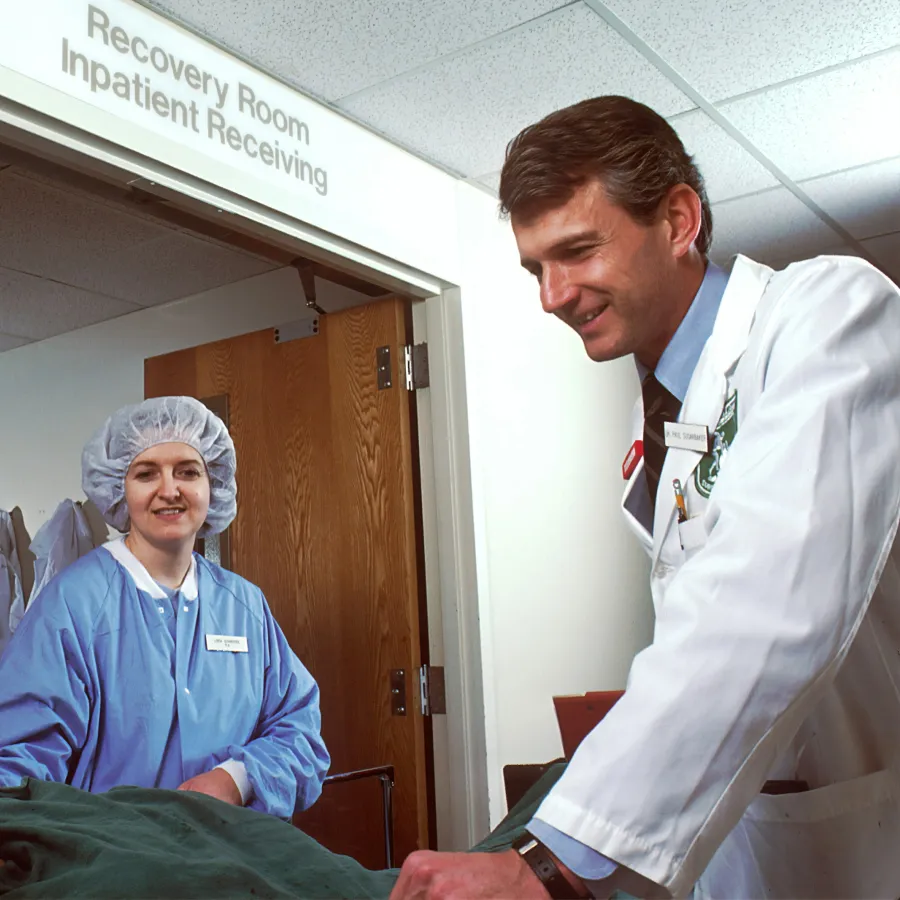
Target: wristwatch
x,y
544,866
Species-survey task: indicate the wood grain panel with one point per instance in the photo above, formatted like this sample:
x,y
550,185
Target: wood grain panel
x,y
326,527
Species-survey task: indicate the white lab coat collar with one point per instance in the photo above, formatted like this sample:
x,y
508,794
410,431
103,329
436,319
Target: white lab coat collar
x,y
707,391
141,577
705,396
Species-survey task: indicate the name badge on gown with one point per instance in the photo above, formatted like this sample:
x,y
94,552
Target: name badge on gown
x,y
687,437
226,642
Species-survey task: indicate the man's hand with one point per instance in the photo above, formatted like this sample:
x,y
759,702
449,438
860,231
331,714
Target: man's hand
x,y
217,783
467,876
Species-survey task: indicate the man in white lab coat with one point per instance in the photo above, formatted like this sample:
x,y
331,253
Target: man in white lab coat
x,y
764,483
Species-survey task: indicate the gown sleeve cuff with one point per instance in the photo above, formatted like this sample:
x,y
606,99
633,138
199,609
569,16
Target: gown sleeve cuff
x,y
238,771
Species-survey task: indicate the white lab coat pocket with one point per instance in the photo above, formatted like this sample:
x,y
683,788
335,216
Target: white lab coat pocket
x,y
692,536
837,841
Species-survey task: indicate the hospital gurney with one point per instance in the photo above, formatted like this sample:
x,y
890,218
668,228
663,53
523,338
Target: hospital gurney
x,y
59,842
385,774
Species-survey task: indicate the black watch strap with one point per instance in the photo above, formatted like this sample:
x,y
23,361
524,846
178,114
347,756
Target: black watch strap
x,y
544,866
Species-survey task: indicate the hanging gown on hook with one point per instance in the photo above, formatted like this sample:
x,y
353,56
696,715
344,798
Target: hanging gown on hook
x,y
11,595
66,537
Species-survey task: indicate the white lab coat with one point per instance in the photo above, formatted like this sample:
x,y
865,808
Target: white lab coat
x,y
776,651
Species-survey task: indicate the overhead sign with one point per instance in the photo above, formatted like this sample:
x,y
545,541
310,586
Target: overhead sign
x,y
289,152
163,83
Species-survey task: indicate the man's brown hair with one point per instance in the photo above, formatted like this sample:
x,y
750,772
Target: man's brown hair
x,y
633,150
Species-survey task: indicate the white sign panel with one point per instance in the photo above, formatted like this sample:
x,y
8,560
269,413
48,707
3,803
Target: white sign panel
x,y
323,169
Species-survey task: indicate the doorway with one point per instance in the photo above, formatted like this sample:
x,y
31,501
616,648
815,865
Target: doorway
x,y
101,390
328,527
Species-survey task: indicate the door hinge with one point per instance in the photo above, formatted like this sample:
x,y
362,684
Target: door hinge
x,y
432,694
417,376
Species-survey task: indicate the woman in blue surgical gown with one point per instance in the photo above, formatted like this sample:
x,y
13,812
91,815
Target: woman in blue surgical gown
x,y
144,664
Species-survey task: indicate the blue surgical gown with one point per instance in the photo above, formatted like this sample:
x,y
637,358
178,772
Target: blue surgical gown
x,y
99,688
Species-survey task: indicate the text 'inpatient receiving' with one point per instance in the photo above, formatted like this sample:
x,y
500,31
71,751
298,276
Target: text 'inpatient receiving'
x,y
209,116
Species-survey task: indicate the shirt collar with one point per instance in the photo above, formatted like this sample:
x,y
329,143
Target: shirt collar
x,y
141,577
676,366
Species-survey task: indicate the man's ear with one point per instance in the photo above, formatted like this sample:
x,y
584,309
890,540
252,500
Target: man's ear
x,y
683,212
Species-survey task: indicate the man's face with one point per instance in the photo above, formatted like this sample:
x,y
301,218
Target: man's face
x,y
603,273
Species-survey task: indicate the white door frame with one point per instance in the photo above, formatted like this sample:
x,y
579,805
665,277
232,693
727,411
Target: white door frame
x,y
461,781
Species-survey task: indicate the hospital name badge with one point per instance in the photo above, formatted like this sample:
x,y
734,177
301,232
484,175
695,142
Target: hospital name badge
x,y
227,643
686,437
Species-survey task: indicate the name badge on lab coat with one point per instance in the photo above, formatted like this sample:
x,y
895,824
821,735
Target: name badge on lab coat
x,y
229,643
687,437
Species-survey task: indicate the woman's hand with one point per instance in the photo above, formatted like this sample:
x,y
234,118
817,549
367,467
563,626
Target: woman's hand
x,y
217,783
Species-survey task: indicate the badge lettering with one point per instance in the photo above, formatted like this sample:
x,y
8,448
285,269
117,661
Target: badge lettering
x,y
227,643
682,436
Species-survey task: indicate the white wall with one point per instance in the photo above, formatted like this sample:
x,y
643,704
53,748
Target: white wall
x,y
58,391
563,585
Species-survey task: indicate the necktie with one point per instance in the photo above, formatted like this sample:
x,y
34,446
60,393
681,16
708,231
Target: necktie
x,y
659,406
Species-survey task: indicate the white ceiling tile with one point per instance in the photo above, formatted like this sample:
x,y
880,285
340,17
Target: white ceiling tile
x,y
10,342
335,49
886,252
463,111
727,47
771,226
172,267
833,121
728,169
866,200
40,309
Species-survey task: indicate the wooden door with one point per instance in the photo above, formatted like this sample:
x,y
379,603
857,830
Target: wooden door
x,y
326,526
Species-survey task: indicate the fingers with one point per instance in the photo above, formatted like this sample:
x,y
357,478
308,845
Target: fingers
x,y
416,877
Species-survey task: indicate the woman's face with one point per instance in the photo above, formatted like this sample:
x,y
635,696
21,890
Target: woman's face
x,y
167,493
